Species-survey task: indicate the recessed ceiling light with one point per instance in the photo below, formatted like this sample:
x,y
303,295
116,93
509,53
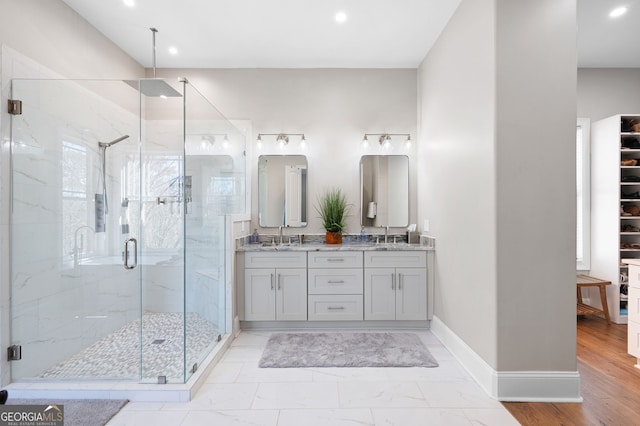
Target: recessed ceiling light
x,y
618,11
129,3
173,50
341,17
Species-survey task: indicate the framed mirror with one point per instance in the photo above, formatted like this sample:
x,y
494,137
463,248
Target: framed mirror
x,y
384,190
282,190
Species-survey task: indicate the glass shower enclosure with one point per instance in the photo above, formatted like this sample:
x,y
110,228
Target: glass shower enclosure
x,y
119,196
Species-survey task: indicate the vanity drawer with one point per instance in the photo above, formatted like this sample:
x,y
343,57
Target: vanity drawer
x,y
335,259
335,281
289,259
633,304
633,338
634,276
395,259
335,307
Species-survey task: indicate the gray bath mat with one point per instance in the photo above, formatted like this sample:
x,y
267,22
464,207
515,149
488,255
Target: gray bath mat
x,y
346,350
79,412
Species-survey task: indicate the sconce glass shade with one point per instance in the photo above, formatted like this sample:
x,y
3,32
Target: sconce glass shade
x,y
282,140
385,140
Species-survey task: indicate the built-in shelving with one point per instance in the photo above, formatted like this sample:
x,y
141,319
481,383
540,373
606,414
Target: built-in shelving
x,y
615,205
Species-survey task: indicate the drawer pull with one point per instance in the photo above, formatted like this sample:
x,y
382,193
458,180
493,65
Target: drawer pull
x,y
335,282
393,281
271,281
399,281
336,308
339,259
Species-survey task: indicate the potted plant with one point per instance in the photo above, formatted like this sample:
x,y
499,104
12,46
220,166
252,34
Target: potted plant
x,y
333,210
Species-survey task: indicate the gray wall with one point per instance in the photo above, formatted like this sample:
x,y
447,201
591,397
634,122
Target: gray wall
x,y
332,107
603,92
57,37
535,135
457,193
497,129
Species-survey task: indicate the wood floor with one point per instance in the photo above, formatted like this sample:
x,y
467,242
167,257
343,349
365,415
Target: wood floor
x,y
610,384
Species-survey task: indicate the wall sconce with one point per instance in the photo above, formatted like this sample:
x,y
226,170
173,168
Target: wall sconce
x,y
282,138
207,140
385,139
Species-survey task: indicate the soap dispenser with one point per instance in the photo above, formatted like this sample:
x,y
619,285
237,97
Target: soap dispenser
x,y
363,236
255,237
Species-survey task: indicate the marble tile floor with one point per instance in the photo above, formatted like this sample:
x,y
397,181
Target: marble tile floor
x,y
117,355
238,392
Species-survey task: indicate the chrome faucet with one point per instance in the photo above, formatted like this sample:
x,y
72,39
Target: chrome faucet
x,y
386,234
280,235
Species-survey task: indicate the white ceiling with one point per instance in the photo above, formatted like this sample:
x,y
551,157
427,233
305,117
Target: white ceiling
x,y
272,33
604,41
304,33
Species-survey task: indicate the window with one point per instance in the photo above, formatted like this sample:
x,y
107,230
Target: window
x,y
583,223
76,235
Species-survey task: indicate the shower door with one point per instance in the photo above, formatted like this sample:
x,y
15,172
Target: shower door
x,y
184,179
75,307
119,196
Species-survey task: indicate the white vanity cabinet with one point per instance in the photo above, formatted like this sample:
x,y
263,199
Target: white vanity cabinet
x,y
335,285
275,286
395,285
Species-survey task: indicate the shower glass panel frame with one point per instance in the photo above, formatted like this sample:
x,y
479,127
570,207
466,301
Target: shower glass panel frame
x,y
73,301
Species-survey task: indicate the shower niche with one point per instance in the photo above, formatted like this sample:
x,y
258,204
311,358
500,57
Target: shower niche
x,y
120,193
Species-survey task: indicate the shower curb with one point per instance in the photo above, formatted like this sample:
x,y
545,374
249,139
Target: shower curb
x,y
113,389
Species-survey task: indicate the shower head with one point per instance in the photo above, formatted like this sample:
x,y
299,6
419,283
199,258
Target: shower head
x,y
154,87
113,142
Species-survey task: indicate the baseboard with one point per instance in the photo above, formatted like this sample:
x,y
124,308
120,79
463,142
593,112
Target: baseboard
x,y
334,325
524,386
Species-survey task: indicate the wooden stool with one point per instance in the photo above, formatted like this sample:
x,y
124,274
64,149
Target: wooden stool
x,y
587,281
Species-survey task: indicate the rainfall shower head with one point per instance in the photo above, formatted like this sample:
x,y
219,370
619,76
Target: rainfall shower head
x,y
113,142
155,88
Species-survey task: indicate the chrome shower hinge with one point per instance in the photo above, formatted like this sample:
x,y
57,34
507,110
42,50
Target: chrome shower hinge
x,y
15,107
14,353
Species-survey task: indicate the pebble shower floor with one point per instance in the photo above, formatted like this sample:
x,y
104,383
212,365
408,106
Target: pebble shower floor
x,y
117,355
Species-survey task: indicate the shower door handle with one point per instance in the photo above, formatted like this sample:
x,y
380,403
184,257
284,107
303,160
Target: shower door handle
x,y
126,253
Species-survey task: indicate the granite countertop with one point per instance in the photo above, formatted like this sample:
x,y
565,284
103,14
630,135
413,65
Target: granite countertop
x,y
351,246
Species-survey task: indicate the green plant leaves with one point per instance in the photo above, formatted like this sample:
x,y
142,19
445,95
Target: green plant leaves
x,y
333,209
